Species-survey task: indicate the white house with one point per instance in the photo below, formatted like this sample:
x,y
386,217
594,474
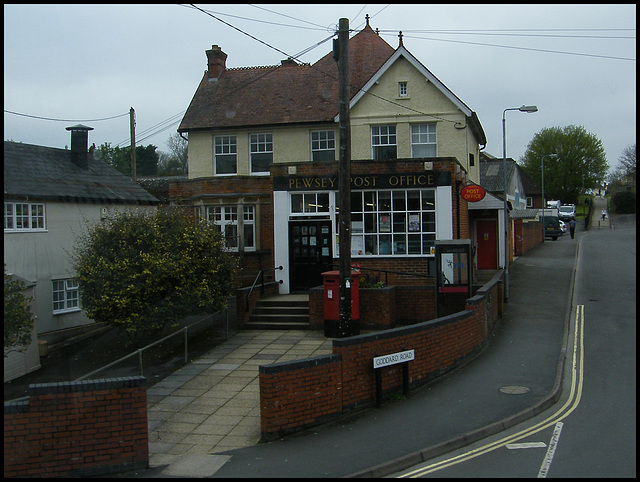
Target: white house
x,y
50,195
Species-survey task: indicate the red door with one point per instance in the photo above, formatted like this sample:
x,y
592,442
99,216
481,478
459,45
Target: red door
x,y
486,238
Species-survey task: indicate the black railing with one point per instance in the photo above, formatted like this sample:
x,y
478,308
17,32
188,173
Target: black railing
x,y
260,275
387,271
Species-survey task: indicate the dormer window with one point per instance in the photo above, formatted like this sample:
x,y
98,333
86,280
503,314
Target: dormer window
x,y
402,89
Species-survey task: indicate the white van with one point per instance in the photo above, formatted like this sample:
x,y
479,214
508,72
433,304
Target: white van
x,y
567,211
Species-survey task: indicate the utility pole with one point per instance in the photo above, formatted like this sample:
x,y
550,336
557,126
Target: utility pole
x,y
344,179
132,126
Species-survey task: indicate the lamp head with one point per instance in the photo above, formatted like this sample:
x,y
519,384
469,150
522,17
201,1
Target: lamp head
x,y
528,108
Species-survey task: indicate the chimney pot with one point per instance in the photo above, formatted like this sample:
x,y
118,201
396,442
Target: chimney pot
x,y
79,143
216,62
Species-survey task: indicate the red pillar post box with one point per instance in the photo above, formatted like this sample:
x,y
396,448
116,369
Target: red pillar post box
x,y
331,282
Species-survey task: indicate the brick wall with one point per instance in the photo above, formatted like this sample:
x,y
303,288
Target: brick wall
x,y
345,381
305,392
84,428
527,235
382,307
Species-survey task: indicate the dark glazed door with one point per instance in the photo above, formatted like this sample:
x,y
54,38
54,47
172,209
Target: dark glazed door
x,y
309,253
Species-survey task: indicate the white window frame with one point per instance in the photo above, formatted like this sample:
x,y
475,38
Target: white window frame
x,y
225,217
323,142
30,214
394,223
65,296
403,89
225,146
309,203
425,136
383,136
260,144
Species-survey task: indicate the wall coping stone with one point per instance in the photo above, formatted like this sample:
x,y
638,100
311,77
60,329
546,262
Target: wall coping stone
x,y
298,364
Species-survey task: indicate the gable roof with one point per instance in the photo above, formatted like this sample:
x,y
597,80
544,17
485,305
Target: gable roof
x,y
46,173
293,93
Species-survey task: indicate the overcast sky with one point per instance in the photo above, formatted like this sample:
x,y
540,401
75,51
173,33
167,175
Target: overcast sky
x,y
82,63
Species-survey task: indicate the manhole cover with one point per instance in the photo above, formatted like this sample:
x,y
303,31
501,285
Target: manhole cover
x,y
514,390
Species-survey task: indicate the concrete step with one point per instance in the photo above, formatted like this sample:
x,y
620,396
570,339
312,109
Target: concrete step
x,y
280,313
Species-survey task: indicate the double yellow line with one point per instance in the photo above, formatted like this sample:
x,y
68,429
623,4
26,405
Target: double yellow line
x,y
567,408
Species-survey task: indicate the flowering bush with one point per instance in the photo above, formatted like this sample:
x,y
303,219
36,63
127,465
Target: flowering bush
x,y
145,271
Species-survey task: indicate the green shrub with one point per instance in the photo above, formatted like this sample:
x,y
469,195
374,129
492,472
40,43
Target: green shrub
x,y
624,202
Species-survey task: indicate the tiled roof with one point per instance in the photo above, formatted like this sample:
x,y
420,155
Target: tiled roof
x,y
47,173
284,94
491,174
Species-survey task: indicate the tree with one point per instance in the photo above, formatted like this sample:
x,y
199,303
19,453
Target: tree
x,y
18,319
624,176
120,158
145,271
581,161
175,161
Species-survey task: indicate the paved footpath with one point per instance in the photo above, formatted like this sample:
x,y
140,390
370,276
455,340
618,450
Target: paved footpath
x,y
213,404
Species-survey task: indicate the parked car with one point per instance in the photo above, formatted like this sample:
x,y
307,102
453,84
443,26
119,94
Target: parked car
x,y
563,226
567,211
552,227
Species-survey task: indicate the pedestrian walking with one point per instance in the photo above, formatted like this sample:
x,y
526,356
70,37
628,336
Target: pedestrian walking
x,y
572,227
604,214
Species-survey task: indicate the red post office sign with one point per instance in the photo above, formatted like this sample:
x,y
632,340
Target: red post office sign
x,y
472,193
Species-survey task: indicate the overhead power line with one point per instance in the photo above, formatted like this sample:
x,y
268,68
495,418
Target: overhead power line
x,y
65,120
521,48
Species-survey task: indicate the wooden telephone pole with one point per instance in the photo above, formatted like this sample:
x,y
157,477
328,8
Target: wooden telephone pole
x,y
344,180
132,126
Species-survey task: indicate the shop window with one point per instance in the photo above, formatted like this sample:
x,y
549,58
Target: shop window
x,y
310,203
323,145
225,153
423,140
391,223
383,142
261,153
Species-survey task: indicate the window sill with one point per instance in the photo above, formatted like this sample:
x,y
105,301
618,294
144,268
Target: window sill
x,y
64,312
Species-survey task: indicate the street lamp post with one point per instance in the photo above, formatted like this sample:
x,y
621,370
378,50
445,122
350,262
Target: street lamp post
x,y
524,108
544,202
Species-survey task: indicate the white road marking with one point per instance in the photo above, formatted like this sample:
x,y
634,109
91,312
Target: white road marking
x,y
526,445
548,458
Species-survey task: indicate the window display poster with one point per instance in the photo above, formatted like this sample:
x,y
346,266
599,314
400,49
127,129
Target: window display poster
x,y
385,223
414,222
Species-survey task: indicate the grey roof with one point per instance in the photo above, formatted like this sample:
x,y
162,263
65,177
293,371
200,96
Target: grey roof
x,y
47,173
528,213
491,174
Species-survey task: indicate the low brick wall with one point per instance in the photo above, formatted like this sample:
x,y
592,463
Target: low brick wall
x,y
299,394
84,428
382,308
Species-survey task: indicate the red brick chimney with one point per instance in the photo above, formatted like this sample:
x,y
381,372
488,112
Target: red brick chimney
x,y
216,62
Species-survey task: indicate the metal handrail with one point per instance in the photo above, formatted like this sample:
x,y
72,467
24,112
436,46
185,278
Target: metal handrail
x,y
140,350
387,271
261,273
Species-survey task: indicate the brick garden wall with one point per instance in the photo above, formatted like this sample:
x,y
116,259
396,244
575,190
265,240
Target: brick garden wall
x,y
83,428
297,395
527,236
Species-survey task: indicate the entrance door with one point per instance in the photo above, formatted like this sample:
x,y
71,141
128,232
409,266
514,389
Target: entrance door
x,y
486,239
309,253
